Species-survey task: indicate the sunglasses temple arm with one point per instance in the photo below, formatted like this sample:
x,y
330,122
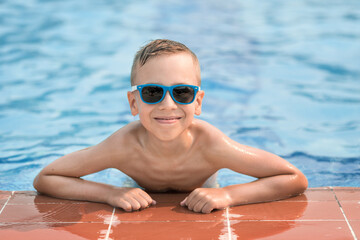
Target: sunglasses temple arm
x,y
133,88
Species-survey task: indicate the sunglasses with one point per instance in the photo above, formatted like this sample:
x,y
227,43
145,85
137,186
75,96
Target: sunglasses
x,y
155,93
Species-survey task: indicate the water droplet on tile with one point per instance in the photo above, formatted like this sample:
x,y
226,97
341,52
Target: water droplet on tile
x,y
102,234
234,215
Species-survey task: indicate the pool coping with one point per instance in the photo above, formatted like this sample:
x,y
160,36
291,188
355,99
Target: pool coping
x,y
319,213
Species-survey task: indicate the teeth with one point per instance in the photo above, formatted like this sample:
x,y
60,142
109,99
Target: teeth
x,y
168,118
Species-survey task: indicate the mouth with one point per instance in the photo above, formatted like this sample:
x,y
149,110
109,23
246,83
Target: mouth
x,y
167,120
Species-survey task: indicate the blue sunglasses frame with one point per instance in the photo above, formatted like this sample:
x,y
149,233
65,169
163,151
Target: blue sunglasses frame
x,y
165,90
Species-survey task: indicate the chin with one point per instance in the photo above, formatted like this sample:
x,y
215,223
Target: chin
x,y
167,138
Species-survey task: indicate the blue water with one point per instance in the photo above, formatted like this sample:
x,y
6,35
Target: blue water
x,y
283,76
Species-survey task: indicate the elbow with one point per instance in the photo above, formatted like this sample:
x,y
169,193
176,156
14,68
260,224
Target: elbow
x,y
37,183
300,183
305,184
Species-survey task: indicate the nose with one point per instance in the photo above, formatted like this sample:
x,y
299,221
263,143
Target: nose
x,y
167,102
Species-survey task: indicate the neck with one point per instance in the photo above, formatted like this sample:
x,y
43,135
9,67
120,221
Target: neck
x,y
169,149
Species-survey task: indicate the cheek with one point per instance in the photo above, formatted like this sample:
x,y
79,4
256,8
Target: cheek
x,y
189,112
145,113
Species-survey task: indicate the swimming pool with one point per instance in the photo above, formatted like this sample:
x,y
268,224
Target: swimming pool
x,y
283,76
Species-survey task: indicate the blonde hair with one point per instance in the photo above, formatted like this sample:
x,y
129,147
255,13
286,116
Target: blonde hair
x,y
156,48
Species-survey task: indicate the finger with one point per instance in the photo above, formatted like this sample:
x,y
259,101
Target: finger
x,y
126,206
142,201
146,202
137,198
135,205
199,205
207,208
183,202
193,202
191,196
147,197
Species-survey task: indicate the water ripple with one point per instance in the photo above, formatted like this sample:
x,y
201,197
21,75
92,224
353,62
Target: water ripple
x,y
277,75
327,159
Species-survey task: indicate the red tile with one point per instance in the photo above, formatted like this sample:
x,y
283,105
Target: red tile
x,y
86,212
290,230
351,209
287,211
31,197
168,212
314,195
168,197
58,231
299,198
351,194
321,188
320,195
5,192
355,225
4,196
169,230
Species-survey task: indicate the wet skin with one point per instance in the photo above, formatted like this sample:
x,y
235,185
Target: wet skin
x,y
170,150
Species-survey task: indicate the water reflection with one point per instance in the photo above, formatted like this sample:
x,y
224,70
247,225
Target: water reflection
x,y
263,220
61,219
50,218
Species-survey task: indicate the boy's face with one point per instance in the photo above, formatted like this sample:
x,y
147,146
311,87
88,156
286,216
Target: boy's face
x,y
167,119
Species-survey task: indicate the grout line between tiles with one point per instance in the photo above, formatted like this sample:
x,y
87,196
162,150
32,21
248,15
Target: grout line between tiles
x,y
2,209
347,221
49,203
228,223
111,220
33,223
195,221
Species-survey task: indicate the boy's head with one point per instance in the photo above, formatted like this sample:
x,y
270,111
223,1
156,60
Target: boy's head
x,y
161,47
168,70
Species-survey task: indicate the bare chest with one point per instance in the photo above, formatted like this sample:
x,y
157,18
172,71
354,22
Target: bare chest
x,y
181,174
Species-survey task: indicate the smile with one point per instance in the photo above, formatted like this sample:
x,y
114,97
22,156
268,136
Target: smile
x,y
167,120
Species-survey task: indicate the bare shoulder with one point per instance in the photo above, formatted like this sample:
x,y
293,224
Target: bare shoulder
x,y
209,136
124,140
206,129
223,152
107,154
218,148
218,142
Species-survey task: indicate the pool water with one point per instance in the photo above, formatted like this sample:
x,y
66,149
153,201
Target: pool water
x,y
283,76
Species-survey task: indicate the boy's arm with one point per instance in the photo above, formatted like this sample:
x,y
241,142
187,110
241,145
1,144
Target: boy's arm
x,y
277,178
62,179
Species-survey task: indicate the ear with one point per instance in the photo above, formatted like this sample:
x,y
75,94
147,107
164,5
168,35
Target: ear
x,y
132,102
198,102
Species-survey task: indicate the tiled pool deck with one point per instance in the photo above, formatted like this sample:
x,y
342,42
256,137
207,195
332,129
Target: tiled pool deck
x,y
320,213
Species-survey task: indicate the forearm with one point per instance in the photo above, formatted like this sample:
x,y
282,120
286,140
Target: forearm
x,y
267,189
72,188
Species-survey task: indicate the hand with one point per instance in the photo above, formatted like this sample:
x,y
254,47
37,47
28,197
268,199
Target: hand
x,y
130,199
207,199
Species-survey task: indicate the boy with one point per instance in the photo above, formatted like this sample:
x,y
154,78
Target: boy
x,y
168,149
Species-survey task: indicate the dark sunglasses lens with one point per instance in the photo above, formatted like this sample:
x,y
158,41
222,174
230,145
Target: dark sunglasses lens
x,y
152,94
183,94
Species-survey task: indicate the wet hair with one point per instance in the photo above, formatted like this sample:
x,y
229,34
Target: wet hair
x,y
156,48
